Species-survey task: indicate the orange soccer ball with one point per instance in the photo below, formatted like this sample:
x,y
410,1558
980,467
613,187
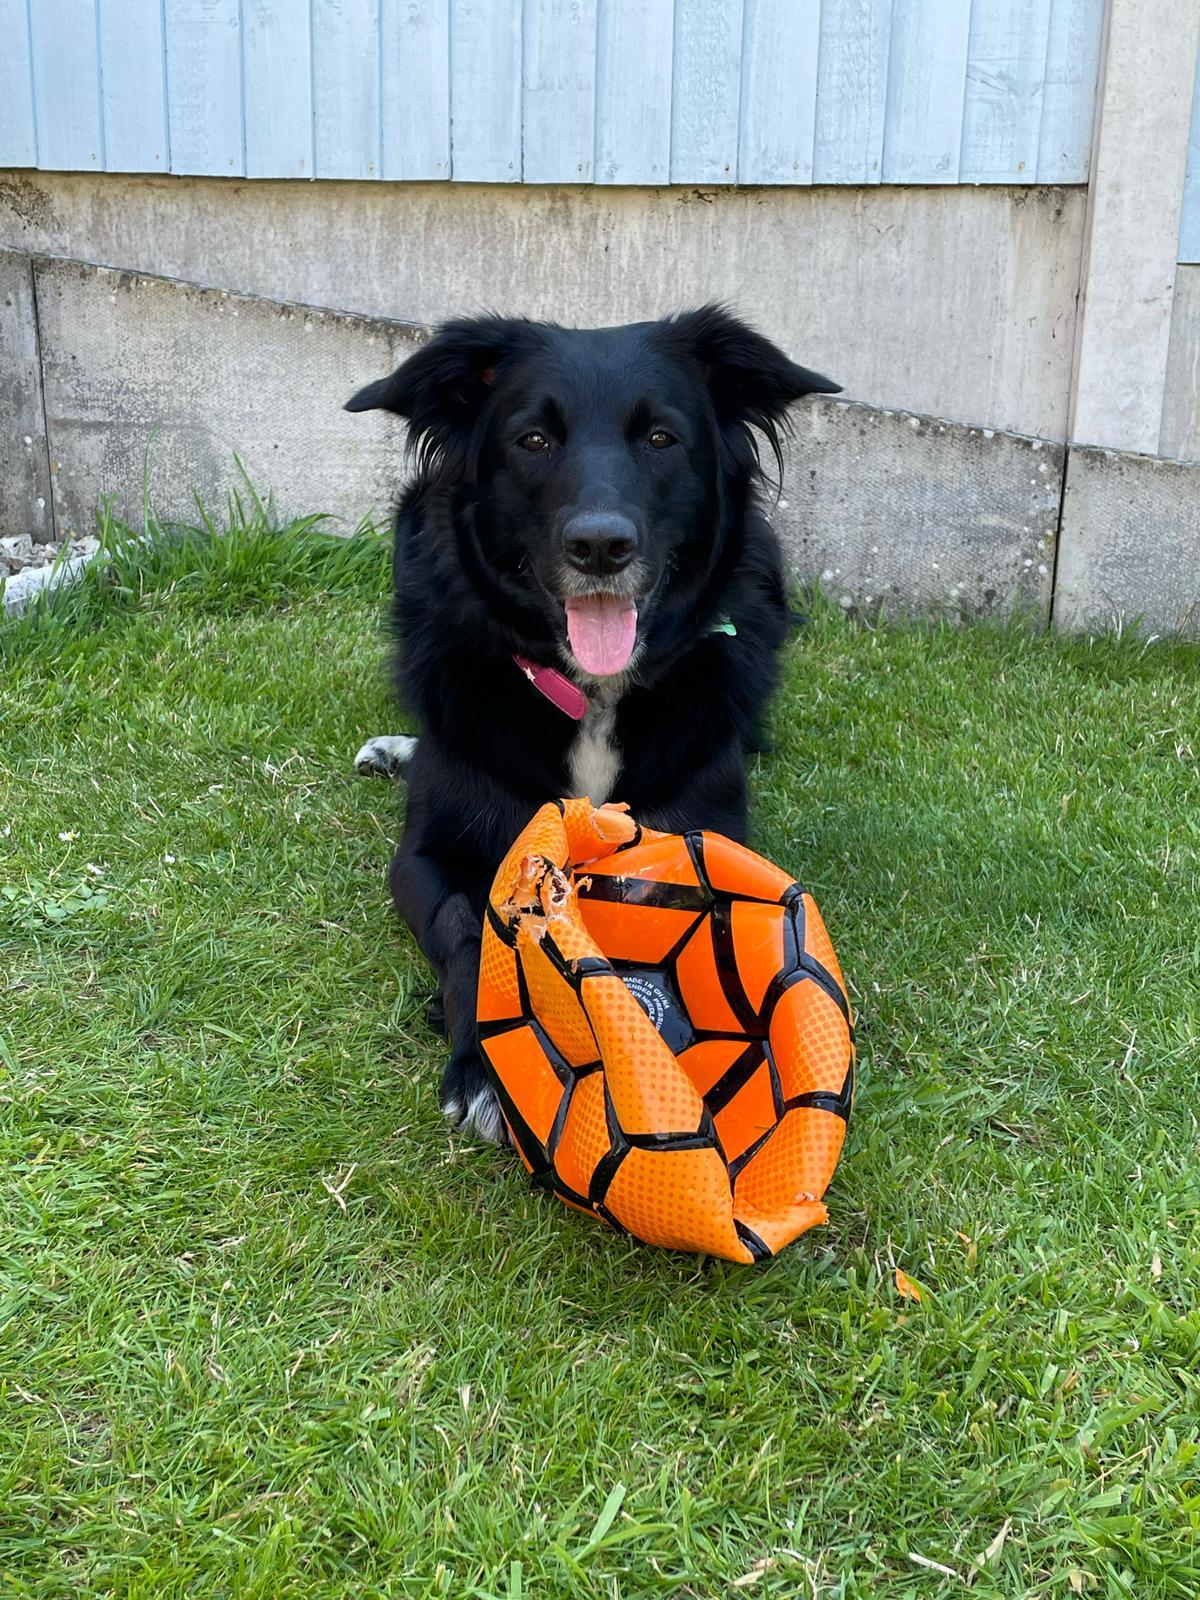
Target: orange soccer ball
x,y
668,1031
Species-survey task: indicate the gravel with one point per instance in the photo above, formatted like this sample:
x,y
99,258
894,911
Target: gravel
x,y
27,568
18,553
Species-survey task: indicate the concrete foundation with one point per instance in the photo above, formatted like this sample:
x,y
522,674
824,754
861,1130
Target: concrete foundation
x,y
1180,435
1130,544
115,385
26,504
895,513
161,389
1135,200
954,301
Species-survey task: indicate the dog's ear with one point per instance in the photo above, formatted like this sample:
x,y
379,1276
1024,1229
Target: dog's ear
x,y
441,389
750,379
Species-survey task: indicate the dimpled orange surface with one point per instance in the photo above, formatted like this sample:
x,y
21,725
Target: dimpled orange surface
x,y
667,1027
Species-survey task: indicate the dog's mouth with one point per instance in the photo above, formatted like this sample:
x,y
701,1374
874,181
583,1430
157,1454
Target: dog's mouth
x,y
602,631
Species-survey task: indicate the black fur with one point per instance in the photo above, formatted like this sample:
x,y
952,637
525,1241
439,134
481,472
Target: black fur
x,y
480,576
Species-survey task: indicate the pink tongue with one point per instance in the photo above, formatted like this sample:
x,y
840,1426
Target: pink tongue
x,y
602,629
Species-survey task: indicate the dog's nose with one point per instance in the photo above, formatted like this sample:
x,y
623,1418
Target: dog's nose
x,y
599,542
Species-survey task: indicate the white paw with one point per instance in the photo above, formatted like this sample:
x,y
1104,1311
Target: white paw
x,y
483,1117
385,756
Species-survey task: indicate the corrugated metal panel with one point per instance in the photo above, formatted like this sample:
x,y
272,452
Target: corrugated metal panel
x,y
1189,230
556,91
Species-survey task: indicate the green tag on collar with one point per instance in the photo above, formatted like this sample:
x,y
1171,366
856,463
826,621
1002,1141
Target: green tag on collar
x,y
724,625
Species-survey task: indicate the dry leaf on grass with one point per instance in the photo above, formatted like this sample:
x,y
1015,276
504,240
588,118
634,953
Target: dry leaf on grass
x,y
905,1287
986,1557
759,1570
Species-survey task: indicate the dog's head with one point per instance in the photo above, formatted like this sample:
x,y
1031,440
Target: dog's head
x,y
601,463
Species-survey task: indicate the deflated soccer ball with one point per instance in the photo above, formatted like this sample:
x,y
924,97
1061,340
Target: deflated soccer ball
x,y
668,1031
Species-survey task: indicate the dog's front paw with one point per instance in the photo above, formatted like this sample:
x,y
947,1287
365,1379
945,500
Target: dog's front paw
x,y
385,756
469,1102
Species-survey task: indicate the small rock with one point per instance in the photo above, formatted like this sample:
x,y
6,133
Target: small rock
x,y
17,553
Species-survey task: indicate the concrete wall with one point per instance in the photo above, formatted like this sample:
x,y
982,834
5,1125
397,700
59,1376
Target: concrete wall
x,y
25,501
1135,203
1180,436
151,387
892,512
155,387
928,304
1130,544
956,302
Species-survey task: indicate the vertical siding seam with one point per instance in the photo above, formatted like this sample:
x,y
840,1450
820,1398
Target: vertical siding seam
x,y
888,118
379,109
1097,86
596,92
962,126
671,105
1085,243
522,63
887,80
166,85
743,55
521,101
450,87
812,173
674,71
812,141
102,152
1037,158
312,93
33,99
449,90
241,17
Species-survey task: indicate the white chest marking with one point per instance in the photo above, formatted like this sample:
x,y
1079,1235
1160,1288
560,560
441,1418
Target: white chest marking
x,y
595,757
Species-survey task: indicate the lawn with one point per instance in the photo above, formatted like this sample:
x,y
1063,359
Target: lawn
x,y
266,1330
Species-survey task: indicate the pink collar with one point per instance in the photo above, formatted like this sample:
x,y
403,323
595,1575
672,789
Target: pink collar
x,y
559,690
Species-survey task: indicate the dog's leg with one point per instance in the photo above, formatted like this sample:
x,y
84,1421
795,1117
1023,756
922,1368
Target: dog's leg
x,y
435,1015
385,756
449,930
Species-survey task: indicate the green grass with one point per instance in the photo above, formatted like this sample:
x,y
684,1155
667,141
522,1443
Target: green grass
x,y
266,1331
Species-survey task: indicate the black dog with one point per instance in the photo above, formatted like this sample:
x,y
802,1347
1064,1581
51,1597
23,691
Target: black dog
x,y
589,601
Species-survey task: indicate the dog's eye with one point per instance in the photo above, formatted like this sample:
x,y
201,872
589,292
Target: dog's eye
x,y
535,443
660,439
